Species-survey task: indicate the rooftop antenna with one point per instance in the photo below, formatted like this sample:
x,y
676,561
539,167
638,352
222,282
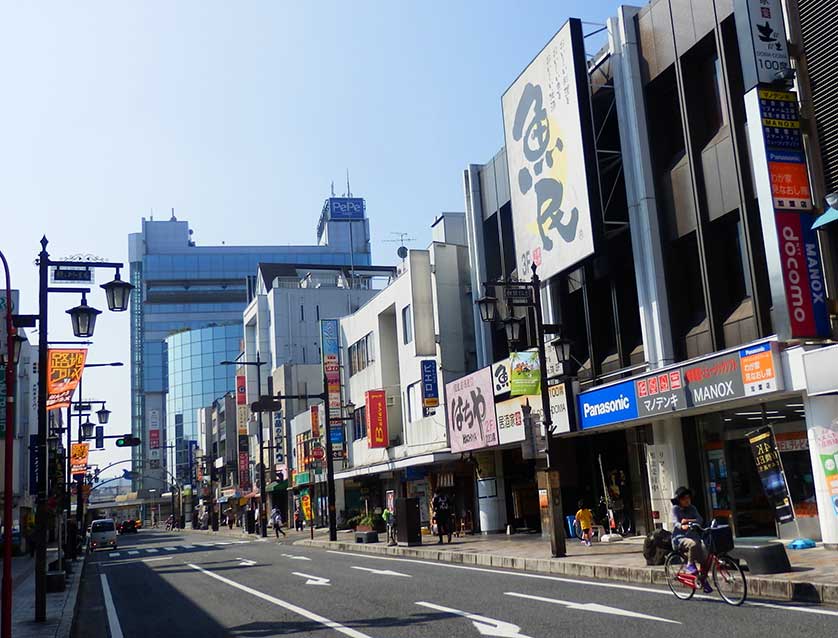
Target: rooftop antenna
x,y
333,188
348,190
403,238
173,219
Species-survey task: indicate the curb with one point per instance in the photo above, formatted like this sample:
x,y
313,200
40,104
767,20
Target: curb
x,y
68,614
758,586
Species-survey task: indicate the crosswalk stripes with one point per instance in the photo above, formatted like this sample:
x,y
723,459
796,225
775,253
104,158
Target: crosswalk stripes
x,y
152,550
175,548
170,549
113,555
133,552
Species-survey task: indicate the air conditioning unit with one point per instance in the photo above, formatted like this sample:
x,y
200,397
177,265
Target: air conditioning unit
x,y
391,401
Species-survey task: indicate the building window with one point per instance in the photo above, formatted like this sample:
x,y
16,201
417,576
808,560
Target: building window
x,y
317,311
359,421
414,402
302,312
407,325
361,354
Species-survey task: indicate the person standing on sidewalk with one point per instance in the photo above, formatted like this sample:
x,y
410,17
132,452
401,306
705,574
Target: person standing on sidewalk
x,y
442,514
584,519
276,519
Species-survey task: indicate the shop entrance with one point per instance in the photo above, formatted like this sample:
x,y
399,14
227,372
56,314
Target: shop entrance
x,y
624,466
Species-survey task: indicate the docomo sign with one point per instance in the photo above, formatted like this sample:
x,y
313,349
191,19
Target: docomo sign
x,y
802,275
376,404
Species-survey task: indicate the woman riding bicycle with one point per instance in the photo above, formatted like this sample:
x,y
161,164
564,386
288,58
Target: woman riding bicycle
x,y
684,538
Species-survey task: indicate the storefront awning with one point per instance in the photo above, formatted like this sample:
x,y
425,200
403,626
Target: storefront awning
x,y
829,215
276,485
389,466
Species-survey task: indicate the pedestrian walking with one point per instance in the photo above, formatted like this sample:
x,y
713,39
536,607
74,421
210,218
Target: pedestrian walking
x,y
442,515
276,519
298,520
584,519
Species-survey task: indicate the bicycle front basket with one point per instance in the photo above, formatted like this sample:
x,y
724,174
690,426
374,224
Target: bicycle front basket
x,y
719,540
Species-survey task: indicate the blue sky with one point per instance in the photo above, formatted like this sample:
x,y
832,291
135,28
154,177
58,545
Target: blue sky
x,y
239,115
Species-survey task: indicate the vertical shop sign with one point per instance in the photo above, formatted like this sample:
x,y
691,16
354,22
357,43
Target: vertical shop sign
x,y
472,422
34,464
305,502
241,389
314,412
154,439
78,458
770,470
430,384
761,32
524,374
376,412
330,348
64,370
759,370
244,463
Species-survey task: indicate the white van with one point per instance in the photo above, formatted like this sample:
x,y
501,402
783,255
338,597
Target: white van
x,y
102,534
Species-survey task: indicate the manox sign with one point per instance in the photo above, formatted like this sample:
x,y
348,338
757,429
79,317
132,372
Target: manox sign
x,y
737,374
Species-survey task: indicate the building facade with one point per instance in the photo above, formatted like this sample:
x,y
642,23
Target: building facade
x,y
180,285
689,330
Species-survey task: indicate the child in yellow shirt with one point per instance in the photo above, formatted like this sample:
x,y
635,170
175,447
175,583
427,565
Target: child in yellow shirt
x,y
585,519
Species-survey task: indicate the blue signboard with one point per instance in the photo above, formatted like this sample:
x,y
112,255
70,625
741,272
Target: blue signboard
x,y
606,406
430,384
346,208
336,432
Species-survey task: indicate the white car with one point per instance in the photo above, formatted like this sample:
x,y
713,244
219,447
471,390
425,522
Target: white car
x,y
102,534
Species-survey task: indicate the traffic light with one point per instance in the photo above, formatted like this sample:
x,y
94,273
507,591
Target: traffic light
x,y
127,441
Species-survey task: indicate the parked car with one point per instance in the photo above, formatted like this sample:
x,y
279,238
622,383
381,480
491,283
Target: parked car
x,y
128,527
102,534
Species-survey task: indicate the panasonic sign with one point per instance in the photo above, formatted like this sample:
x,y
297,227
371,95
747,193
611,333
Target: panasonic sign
x,y
608,405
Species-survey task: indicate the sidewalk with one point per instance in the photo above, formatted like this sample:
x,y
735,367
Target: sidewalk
x,y
814,575
61,606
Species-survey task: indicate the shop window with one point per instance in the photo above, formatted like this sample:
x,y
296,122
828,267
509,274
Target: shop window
x,y
359,422
361,354
414,402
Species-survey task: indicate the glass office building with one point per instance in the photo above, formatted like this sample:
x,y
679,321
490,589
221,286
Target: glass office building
x,y
195,380
181,286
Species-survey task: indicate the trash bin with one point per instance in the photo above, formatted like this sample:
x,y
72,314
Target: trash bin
x,y
408,522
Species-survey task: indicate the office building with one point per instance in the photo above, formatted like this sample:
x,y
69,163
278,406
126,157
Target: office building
x,y
183,286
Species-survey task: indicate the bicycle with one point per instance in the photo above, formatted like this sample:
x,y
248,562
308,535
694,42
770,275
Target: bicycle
x,y
728,576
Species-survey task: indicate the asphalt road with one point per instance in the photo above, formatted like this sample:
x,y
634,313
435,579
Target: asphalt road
x,y
192,584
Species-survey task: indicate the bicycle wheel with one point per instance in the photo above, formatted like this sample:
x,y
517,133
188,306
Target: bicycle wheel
x,y
729,580
673,567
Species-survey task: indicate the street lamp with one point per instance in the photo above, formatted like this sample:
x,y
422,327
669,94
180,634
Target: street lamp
x,y
118,293
87,429
83,318
18,342
527,294
103,415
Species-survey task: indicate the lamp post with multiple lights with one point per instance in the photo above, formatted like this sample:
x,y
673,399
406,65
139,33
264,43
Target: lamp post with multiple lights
x,y
83,318
527,294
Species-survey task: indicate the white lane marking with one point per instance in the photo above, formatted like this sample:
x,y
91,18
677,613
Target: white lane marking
x,y
151,550
170,549
246,562
305,613
133,552
187,547
589,583
151,560
242,542
312,580
382,572
113,619
594,607
486,626
113,555
223,543
294,557
205,544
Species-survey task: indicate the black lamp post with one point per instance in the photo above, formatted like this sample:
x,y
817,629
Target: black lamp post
x,y
87,429
118,293
83,318
527,294
103,415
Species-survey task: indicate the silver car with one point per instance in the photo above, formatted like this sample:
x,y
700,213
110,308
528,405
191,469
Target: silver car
x,y
102,534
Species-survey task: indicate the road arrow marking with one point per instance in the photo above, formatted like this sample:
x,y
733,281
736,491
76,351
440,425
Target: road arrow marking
x,y
246,562
313,580
594,607
382,572
486,626
293,557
